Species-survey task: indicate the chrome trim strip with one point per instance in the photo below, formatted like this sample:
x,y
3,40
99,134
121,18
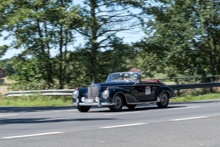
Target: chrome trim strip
x,y
93,104
149,102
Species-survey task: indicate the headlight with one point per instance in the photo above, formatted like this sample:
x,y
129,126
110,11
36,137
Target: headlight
x,y
75,94
105,94
96,99
83,99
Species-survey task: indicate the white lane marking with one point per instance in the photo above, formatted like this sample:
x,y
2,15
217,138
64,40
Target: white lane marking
x,y
7,115
32,135
57,111
183,108
126,125
190,118
122,113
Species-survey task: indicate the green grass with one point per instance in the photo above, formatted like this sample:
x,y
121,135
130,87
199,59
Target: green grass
x,y
38,100
198,97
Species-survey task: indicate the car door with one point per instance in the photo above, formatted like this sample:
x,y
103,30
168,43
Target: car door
x,y
145,91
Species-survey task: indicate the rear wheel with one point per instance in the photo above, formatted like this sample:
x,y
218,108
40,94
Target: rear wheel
x,y
164,100
118,100
83,108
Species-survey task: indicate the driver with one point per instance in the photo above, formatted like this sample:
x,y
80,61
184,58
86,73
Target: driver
x,y
126,77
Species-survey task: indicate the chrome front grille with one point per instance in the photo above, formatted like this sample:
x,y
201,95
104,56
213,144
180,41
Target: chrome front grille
x,y
93,91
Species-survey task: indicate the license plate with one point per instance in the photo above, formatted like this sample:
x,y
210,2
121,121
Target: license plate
x,y
89,100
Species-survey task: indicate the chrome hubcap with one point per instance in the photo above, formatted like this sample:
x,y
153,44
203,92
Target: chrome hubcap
x,y
164,99
118,102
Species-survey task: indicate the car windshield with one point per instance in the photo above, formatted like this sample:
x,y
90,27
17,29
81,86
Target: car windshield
x,y
122,77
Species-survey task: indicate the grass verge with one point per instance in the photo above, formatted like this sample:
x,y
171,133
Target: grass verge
x,y
197,97
38,100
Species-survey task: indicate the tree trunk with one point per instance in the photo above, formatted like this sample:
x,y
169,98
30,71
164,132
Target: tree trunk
x,y
50,71
61,54
94,47
65,53
47,75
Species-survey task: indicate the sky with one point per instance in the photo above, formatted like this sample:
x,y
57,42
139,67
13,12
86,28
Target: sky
x,y
129,37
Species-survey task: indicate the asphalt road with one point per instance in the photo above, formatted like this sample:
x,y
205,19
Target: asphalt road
x,y
188,124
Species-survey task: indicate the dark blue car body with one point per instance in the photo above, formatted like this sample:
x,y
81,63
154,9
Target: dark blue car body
x,y
130,93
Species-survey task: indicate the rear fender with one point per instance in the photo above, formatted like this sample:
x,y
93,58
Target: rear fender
x,y
167,89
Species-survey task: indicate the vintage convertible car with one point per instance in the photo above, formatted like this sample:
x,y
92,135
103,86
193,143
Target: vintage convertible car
x,y
122,88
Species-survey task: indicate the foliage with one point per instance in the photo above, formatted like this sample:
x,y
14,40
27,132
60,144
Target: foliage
x,y
108,61
102,20
42,26
38,27
183,38
7,66
3,49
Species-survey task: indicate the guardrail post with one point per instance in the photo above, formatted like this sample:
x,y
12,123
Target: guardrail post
x,y
211,79
177,83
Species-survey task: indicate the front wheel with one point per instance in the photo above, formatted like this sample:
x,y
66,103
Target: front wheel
x,y
164,100
83,108
118,100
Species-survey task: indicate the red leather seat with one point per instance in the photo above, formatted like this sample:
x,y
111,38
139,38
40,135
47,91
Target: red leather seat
x,y
151,81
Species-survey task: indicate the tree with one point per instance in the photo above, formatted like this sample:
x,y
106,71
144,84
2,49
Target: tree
x,y
102,20
42,26
39,26
185,36
108,61
7,66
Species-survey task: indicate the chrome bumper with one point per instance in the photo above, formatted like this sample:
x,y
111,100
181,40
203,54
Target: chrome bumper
x,y
99,103
93,104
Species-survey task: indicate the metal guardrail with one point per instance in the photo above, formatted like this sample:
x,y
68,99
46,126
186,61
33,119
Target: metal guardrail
x,y
60,92
193,79
41,92
197,85
202,77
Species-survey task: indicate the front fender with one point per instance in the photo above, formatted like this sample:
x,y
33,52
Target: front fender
x,y
129,96
82,93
